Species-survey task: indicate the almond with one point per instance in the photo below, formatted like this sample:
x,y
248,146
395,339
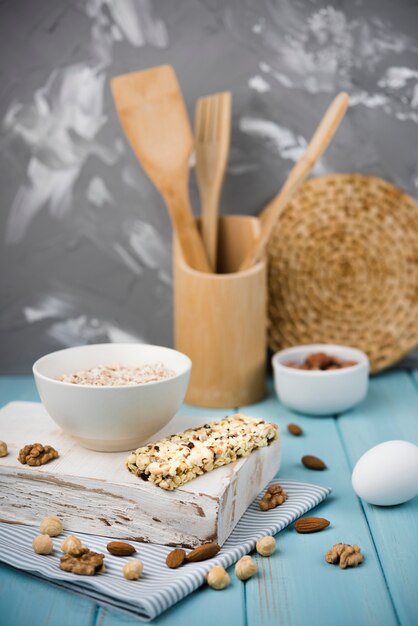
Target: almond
x,y
120,548
313,463
311,524
203,552
295,430
175,558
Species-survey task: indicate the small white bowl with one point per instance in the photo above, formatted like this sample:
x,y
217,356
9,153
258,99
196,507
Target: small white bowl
x,y
115,418
316,392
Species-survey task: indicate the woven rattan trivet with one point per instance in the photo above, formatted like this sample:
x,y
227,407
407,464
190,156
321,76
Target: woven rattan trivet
x,y
343,268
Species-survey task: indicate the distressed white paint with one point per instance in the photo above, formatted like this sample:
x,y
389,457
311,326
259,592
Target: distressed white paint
x,y
239,169
47,307
60,126
321,53
133,20
128,259
371,101
258,83
117,335
84,329
68,328
398,77
97,192
148,245
281,78
93,492
283,140
259,26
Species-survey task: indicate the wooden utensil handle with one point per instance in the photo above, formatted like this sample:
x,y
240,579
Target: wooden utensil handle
x,y
316,147
178,204
210,203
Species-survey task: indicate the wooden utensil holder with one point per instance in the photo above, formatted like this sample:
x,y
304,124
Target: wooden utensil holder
x,y
220,320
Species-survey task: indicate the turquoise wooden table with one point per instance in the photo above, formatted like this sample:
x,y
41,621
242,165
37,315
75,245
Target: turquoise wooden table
x,y
295,587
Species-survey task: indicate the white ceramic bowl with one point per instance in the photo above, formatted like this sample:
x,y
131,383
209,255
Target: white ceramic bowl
x,y
321,392
111,418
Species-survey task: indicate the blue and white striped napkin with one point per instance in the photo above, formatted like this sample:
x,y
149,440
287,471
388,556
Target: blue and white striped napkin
x,y
159,587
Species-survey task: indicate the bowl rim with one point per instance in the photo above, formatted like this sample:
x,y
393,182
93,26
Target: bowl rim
x,y
278,365
37,373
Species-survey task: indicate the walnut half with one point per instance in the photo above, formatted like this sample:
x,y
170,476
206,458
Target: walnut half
x,y
36,454
87,564
274,496
344,555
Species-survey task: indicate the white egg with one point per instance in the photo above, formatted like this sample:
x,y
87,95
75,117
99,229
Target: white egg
x,y
387,474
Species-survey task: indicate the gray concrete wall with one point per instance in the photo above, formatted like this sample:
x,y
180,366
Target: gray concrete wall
x,y
85,238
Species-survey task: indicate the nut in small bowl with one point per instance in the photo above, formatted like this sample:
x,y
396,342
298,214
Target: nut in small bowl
x,y
321,391
111,418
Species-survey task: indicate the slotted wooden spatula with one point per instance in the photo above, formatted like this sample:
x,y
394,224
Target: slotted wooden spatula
x,y
153,116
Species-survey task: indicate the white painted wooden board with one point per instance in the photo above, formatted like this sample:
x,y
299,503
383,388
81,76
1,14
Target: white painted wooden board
x,y
93,492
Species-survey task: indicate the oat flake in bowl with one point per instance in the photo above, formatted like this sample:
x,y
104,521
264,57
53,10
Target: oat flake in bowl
x,y
112,417
116,374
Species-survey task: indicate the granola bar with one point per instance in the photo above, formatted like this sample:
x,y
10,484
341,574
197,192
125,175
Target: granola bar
x,y
177,459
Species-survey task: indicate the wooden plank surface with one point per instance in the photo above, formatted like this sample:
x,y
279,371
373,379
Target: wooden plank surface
x,y
296,586
26,600
390,412
205,607
18,388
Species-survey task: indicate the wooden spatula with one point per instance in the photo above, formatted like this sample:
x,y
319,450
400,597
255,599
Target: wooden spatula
x,y
153,116
212,138
316,147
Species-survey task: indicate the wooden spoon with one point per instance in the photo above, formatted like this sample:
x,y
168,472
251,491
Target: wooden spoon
x,y
153,116
316,147
212,138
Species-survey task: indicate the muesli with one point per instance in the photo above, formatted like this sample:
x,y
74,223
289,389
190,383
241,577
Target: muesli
x,y
117,374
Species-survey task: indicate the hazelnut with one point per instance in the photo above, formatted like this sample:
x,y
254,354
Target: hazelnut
x,y
42,544
132,570
71,545
266,546
51,526
245,568
218,577
3,448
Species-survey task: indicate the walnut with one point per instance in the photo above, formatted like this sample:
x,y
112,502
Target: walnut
x,y
345,555
266,546
42,544
73,546
3,448
37,454
51,526
133,569
245,568
218,578
86,564
273,497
